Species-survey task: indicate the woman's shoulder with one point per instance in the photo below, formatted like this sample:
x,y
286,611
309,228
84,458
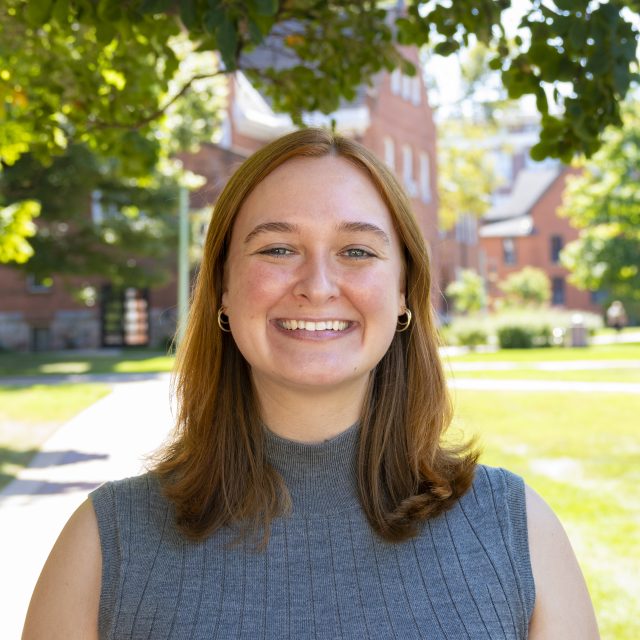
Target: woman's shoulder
x,y
125,506
498,490
135,489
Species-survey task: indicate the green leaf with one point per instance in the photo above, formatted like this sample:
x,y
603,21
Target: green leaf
x,y
227,35
446,48
265,7
188,13
155,6
255,32
38,12
212,18
61,12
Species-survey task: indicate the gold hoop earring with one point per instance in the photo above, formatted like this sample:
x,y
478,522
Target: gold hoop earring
x,y
403,326
223,323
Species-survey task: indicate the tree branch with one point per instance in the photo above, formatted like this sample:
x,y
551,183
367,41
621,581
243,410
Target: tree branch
x,y
100,124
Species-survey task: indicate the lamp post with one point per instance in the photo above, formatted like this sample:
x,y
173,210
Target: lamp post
x,y
183,262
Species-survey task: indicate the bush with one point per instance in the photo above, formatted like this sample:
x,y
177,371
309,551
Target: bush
x,y
468,292
471,337
524,337
529,286
516,328
514,338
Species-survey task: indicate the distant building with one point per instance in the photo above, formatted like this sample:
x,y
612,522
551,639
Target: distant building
x,y
524,229
393,118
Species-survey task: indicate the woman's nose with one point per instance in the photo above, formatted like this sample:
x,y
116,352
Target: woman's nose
x,y
317,280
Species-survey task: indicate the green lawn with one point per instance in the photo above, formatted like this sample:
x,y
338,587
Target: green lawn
x,y
574,375
629,351
29,415
582,454
35,364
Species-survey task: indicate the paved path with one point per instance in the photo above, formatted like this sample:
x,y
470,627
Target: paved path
x,y
108,440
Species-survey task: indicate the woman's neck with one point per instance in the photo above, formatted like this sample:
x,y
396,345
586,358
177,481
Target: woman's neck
x,y
309,415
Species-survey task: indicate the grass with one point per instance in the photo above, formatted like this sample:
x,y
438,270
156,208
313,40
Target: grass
x,y
629,351
46,364
29,415
582,454
574,375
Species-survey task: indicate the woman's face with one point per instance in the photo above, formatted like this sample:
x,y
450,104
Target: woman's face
x,y
314,280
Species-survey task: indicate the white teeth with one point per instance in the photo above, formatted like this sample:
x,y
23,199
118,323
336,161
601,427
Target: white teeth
x,y
324,325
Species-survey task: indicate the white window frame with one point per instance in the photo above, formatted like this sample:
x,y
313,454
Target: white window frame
x,y
406,87
407,171
389,152
396,82
425,177
416,90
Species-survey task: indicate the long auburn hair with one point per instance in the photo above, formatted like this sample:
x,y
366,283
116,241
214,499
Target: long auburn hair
x,y
215,470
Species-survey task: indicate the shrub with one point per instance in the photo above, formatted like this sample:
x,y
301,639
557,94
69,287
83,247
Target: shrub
x,y
524,337
514,338
529,286
471,337
468,292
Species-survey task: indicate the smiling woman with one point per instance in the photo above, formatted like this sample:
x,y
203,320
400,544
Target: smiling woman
x,y
307,492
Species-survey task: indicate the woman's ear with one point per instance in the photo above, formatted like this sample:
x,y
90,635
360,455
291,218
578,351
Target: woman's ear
x,y
402,303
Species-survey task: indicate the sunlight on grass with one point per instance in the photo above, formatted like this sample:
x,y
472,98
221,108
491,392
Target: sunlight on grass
x,y
42,403
65,367
582,454
598,352
159,363
521,373
33,364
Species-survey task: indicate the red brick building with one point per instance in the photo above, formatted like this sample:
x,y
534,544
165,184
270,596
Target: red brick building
x,y
524,229
393,118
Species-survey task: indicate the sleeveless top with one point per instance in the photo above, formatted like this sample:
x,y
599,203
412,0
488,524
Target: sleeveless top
x,y
324,574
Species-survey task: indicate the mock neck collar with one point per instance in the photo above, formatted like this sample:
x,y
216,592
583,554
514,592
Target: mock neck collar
x,y
321,477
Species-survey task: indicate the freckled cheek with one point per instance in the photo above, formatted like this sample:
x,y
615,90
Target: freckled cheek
x,y
375,292
257,288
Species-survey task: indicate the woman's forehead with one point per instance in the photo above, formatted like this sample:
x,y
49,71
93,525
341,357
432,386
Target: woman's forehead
x,y
326,190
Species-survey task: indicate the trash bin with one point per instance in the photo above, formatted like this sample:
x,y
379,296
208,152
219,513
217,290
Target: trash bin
x,y
578,331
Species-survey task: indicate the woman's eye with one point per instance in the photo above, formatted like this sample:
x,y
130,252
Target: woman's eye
x,y
276,251
357,253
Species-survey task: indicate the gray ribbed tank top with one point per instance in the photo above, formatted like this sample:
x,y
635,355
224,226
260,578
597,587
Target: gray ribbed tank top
x,y
324,574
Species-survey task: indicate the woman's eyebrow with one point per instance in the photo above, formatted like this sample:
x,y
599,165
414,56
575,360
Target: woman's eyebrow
x,y
265,227
365,226
285,227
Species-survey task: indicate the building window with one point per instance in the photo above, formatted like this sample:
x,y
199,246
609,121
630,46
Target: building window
x,y
557,291
396,81
416,90
425,178
407,171
40,339
406,87
466,230
509,251
389,152
39,284
556,248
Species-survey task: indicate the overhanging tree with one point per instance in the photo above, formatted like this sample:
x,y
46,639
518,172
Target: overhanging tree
x,y
103,72
604,203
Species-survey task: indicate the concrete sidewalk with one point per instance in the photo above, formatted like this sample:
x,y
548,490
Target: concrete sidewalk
x,y
107,441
